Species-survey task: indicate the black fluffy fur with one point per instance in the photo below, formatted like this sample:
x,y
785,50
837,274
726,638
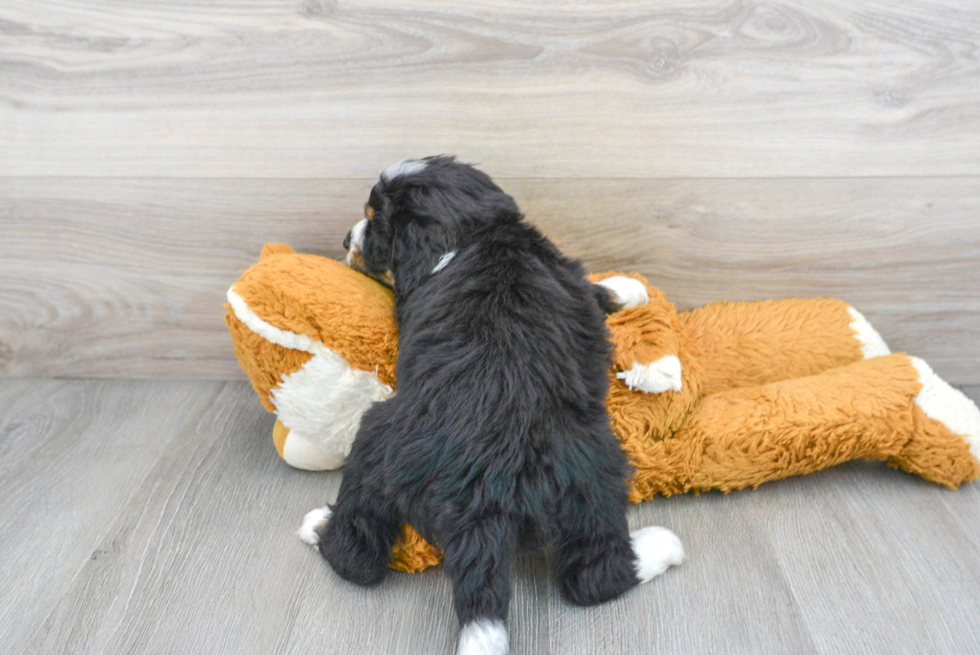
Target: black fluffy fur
x,y
498,437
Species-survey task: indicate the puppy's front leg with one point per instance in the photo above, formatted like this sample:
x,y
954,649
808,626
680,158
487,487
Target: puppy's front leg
x,y
355,535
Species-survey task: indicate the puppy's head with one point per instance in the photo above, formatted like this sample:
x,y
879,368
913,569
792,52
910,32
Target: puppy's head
x,y
420,210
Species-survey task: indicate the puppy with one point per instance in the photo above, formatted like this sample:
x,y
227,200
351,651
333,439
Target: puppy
x,y
497,438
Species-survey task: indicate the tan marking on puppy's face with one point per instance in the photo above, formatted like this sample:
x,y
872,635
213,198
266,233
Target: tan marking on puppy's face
x,y
356,260
368,212
387,278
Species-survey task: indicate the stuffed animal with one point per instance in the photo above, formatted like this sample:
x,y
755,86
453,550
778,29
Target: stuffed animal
x,y
724,397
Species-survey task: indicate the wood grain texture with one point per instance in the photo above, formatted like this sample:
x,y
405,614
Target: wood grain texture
x,y
71,455
892,559
175,523
125,278
315,88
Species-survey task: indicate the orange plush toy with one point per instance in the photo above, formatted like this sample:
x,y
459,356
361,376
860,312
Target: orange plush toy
x,y
725,397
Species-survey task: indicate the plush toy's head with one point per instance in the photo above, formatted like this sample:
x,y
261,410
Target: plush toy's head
x,y
318,342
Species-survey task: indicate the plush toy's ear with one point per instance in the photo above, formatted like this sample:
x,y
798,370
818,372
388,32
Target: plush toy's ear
x,y
270,249
318,342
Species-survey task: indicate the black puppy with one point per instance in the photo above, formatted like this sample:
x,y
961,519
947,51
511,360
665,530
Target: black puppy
x,y
497,438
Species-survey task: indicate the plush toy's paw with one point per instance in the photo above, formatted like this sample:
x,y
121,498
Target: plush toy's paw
x,y
949,406
656,550
312,522
302,453
655,377
872,345
626,292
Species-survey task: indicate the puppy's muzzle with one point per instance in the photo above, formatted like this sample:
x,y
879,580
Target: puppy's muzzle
x,y
353,244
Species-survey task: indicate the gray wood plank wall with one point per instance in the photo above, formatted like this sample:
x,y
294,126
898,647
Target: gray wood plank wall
x,y
725,149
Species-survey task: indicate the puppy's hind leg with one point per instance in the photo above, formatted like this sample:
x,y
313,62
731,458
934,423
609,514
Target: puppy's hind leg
x,y
357,541
356,534
479,558
597,559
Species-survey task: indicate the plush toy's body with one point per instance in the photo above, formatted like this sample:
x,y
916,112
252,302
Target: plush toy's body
x,y
727,396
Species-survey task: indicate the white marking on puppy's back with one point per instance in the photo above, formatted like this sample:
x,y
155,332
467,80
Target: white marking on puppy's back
x,y
872,345
483,637
402,168
444,261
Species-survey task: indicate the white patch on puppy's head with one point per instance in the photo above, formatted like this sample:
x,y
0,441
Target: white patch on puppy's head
x,y
402,168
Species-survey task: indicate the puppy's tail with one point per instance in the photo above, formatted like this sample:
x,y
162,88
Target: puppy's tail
x,y
483,637
480,558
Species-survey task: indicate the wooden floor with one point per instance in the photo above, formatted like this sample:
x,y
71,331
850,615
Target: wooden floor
x,y
155,517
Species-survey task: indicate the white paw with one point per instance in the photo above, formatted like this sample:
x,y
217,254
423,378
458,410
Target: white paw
x,y
872,345
626,291
949,406
655,377
483,637
656,550
313,521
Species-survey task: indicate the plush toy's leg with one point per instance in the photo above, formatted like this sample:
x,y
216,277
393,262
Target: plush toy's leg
x,y
751,343
868,410
945,445
301,453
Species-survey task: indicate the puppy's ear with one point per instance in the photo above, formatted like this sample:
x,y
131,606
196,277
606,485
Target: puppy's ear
x,y
418,244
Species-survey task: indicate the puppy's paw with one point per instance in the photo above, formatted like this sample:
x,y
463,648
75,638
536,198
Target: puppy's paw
x,y
656,550
312,522
626,292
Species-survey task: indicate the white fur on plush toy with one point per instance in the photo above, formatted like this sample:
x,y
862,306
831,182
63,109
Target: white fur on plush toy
x,y
872,345
322,402
626,291
655,377
949,406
